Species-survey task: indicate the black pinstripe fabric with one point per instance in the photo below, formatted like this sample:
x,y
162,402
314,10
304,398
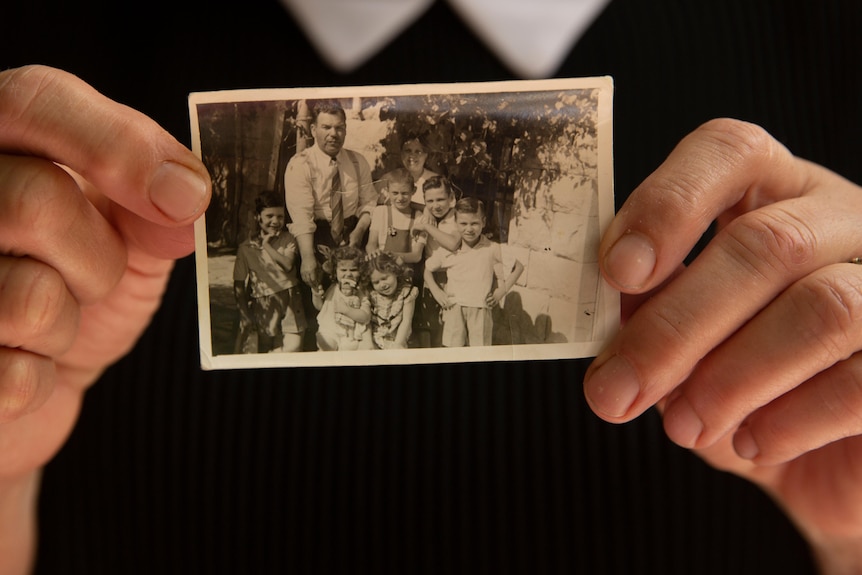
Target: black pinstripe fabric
x,y
434,469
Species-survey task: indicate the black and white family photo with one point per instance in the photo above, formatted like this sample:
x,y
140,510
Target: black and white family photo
x,y
404,224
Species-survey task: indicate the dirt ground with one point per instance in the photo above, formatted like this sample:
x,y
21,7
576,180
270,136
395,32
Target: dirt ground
x,y
223,315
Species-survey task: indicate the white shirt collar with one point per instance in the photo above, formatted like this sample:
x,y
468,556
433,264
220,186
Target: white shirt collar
x,y
531,37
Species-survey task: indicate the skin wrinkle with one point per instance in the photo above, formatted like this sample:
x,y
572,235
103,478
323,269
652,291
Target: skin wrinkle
x,y
844,402
765,242
768,151
41,195
675,191
20,384
15,118
42,89
805,298
740,143
43,303
846,297
36,193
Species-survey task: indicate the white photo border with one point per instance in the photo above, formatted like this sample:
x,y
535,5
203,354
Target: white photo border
x,y
607,309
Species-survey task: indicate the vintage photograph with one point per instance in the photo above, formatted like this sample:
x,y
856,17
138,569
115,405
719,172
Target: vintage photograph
x,y
404,224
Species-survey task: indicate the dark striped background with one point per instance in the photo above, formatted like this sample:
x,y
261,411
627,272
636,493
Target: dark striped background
x,y
434,469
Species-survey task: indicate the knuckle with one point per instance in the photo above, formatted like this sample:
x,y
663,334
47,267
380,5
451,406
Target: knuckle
x,y
21,374
21,93
736,141
843,400
672,328
771,241
847,405
38,199
33,302
671,323
44,301
831,302
680,193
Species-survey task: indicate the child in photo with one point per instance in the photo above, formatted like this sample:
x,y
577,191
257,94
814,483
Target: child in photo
x,y
392,223
344,308
471,270
266,286
393,299
438,224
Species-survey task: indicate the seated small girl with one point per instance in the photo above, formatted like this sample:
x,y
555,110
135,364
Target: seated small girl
x,y
393,298
345,309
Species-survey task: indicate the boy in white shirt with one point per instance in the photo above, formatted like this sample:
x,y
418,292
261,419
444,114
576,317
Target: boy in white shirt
x,y
471,270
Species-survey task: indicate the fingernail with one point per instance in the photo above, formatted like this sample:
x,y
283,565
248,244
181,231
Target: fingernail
x,y
177,191
613,388
744,444
631,261
681,423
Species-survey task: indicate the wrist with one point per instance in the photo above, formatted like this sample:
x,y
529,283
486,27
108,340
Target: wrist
x,y
18,498
838,557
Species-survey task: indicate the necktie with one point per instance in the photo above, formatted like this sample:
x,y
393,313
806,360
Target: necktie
x,y
336,224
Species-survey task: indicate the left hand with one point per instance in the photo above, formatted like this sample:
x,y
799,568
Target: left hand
x,y
494,298
85,250
752,351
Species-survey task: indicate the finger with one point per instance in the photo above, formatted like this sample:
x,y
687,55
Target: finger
x,y
722,164
127,156
37,313
745,267
809,328
109,329
26,381
823,410
43,215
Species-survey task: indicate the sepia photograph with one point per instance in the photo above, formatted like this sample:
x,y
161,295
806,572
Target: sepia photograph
x,y
404,224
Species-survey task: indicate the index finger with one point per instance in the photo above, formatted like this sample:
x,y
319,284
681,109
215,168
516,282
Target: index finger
x,y
723,165
127,156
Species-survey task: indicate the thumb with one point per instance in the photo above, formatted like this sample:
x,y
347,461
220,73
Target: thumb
x,y
158,187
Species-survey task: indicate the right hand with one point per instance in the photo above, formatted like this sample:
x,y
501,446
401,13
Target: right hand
x,y
442,299
753,353
96,201
420,225
309,270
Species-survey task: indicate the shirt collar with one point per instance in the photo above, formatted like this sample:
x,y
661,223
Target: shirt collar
x,y
531,37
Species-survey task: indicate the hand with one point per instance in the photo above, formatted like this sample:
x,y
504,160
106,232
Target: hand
x,y
344,304
442,299
419,226
752,351
318,291
494,298
96,202
309,271
355,238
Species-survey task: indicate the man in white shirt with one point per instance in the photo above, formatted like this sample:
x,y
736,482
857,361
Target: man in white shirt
x,y
327,191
